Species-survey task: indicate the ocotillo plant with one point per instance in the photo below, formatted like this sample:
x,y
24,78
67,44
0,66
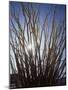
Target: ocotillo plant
x,y
37,47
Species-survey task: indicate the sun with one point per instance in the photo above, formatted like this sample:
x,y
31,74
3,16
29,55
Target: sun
x,y
29,47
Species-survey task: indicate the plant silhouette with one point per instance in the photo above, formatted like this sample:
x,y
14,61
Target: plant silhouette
x,y
31,66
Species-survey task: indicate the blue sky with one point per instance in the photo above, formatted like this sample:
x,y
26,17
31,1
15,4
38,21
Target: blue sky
x,y
43,8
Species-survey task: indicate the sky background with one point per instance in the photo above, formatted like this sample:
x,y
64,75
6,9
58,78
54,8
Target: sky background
x,y
43,8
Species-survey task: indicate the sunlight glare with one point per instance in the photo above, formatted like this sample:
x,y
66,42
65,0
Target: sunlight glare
x,y
29,47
